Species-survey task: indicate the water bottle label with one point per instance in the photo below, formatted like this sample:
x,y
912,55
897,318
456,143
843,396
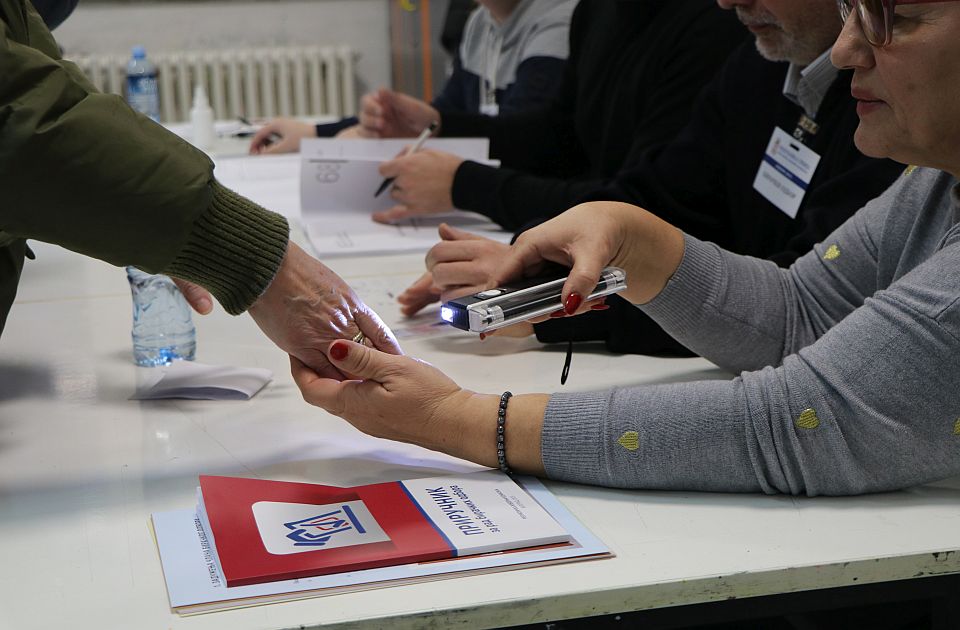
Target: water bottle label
x,y
143,96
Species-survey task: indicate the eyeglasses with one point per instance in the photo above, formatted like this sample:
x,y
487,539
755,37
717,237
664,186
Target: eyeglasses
x,y
876,17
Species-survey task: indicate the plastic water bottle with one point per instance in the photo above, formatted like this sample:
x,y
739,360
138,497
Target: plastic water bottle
x,y
162,324
142,93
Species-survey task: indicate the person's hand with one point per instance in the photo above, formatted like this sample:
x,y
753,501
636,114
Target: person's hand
x,y
196,296
418,295
588,238
399,398
389,114
461,264
290,133
307,307
352,133
403,399
423,184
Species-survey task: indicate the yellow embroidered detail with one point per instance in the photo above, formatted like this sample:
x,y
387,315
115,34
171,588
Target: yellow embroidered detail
x,y
832,253
629,440
808,419
910,170
956,427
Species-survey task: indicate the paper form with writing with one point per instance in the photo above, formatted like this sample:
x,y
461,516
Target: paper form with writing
x,y
195,583
337,185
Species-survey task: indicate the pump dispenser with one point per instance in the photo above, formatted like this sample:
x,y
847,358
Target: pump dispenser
x,y
201,118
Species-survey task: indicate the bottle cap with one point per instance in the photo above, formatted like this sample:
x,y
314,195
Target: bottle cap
x,y
139,52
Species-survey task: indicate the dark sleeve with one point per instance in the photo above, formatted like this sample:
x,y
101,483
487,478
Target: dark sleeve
x,y
537,84
451,97
328,130
512,198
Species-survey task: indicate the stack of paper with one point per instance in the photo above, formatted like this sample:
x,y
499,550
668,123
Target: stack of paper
x,y
337,184
196,582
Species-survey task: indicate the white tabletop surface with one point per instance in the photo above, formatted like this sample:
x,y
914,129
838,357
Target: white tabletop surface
x,y
82,468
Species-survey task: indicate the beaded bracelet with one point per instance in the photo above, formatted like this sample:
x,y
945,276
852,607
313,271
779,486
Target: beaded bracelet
x,y
501,421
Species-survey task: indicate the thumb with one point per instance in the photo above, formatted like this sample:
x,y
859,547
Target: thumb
x,y
450,233
360,361
196,296
580,283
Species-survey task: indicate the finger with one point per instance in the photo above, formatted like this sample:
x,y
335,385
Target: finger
x,y
582,280
523,329
196,296
457,274
457,251
391,168
261,139
520,261
316,390
450,233
376,331
361,361
394,214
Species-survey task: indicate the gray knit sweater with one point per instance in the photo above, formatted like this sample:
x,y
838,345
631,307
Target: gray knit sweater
x,y
863,334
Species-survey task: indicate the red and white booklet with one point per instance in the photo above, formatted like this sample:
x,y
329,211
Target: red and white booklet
x,y
266,531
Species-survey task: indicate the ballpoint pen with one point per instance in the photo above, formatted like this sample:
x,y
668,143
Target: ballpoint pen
x,y
271,139
426,133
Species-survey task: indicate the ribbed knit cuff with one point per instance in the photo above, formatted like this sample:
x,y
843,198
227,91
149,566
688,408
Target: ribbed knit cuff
x,y
234,250
695,282
571,440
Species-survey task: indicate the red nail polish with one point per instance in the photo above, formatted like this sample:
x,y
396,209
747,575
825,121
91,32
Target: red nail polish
x,y
600,307
338,351
560,313
483,336
572,303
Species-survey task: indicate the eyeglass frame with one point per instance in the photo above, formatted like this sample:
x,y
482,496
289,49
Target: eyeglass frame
x,y
847,8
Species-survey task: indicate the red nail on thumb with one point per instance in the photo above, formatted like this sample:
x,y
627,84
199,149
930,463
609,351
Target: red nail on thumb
x,y
338,351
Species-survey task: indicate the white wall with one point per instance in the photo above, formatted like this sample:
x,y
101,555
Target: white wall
x,y
363,25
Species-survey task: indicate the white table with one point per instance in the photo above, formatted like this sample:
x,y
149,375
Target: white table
x,y
82,468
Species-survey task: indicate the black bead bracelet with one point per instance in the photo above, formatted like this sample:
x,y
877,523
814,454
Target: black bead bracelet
x,y
501,421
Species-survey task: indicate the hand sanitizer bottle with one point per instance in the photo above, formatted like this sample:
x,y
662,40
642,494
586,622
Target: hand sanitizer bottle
x,y
201,118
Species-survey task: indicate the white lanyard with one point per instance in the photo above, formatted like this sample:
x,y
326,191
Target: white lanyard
x,y
488,82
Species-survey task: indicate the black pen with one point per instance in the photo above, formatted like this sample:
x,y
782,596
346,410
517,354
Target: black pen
x,y
426,133
271,139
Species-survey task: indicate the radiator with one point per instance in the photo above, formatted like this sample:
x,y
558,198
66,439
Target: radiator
x,y
265,82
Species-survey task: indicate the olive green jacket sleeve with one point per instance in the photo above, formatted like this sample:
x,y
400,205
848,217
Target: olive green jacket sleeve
x,y
80,169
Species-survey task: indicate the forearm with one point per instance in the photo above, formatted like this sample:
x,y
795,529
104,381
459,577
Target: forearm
x,y
128,191
473,434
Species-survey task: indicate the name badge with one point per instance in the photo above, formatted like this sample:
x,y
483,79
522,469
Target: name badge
x,y
786,171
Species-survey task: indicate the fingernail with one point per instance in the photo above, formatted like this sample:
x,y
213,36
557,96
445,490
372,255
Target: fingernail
x,y
572,303
483,336
560,313
204,305
600,307
338,351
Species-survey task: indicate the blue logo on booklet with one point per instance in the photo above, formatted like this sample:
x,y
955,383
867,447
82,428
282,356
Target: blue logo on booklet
x,y
316,531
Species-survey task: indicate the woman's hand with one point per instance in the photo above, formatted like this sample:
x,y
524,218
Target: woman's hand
x,y
592,236
407,400
399,398
290,133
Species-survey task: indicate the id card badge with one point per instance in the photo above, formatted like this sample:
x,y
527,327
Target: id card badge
x,y
786,171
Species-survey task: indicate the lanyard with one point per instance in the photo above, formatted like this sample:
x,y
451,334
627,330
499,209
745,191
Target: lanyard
x,y
805,128
488,82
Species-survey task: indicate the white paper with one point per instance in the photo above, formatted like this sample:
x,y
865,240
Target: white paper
x,y
338,182
197,381
193,579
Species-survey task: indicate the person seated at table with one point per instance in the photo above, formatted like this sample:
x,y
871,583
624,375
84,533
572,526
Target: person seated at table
x,y
511,59
129,192
704,181
849,360
634,71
